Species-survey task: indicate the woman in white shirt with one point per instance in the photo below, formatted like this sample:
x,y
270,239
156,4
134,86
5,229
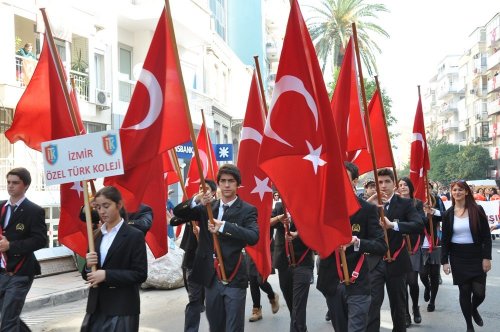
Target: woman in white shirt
x,y
466,250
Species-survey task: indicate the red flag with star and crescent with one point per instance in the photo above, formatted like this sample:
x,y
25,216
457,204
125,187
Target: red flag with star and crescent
x,y
419,157
256,187
346,108
381,142
155,122
43,102
207,157
300,151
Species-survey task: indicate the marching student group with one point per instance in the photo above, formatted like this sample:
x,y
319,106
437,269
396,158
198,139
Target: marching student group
x,y
412,240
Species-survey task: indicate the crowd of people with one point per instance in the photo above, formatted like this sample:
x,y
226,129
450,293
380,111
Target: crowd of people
x,y
393,246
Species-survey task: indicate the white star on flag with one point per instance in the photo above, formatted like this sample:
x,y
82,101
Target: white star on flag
x,y
314,157
261,187
78,187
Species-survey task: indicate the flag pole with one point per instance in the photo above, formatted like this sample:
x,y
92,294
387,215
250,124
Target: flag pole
x,y
289,245
72,113
428,198
370,141
215,237
408,239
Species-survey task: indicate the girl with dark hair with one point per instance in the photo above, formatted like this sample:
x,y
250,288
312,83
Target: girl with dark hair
x,y
120,259
406,190
466,250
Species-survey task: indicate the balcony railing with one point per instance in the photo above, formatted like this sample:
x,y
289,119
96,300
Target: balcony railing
x,y
493,61
24,69
81,84
494,106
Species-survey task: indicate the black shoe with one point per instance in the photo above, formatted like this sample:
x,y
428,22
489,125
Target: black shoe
x,y
477,317
416,315
408,320
327,316
427,294
431,307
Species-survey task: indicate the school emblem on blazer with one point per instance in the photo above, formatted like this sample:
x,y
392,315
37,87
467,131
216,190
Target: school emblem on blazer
x,y
20,227
109,142
356,228
51,153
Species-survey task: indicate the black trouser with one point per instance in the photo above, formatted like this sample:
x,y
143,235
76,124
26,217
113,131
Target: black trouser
x,y
225,307
294,284
255,288
349,313
13,292
396,290
196,295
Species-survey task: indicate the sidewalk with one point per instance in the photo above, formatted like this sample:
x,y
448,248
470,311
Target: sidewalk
x,y
56,289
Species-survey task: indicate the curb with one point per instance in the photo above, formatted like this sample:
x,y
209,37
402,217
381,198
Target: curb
x,y
56,298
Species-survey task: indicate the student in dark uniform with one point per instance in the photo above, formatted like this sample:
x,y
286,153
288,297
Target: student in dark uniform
x,y
406,190
23,231
189,244
431,252
401,218
295,263
350,304
120,257
236,227
466,250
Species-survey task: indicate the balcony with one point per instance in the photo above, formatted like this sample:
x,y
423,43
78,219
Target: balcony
x,y
493,61
494,84
494,106
448,109
450,125
447,91
24,70
81,81
271,51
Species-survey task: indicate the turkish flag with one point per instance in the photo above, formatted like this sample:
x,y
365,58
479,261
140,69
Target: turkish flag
x,y
419,157
72,232
381,141
256,186
207,157
299,150
42,113
155,122
156,118
345,106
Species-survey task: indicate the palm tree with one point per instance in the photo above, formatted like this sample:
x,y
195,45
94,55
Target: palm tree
x,y
330,29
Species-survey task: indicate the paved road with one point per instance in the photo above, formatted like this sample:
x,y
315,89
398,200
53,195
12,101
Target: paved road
x,y
164,310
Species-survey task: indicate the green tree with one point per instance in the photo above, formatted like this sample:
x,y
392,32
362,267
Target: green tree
x,y
441,154
330,29
471,163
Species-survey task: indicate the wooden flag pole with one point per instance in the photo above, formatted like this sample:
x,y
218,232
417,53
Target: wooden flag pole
x,y
261,86
408,240
370,142
215,237
209,147
72,113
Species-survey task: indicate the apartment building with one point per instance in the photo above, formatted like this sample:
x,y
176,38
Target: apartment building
x,y
462,100
102,45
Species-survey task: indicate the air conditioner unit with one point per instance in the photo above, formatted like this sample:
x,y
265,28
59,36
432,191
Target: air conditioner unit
x,y
102,98
472,91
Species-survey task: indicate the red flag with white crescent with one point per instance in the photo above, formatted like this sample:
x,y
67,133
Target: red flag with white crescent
x,y
419,157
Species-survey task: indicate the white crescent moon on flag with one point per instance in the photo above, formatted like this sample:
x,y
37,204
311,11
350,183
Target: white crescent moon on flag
x,y
418,137
251,134
285,84
155,100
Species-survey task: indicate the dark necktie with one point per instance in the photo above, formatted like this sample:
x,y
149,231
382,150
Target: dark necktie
x,y
224,208
12,208
386,206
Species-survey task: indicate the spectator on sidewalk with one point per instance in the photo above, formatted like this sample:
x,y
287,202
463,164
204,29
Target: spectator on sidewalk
x,y
23,231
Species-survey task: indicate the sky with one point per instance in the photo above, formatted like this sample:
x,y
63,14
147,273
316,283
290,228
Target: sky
x,y
421,33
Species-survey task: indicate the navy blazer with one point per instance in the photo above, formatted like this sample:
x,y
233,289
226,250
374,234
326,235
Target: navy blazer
x,y
126,267
239,231
26,232
364,225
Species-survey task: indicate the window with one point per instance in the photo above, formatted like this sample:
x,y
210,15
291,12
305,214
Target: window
x,y
217,132
100,82
125,68
6,160
225,134
218,8
485,130
94,127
